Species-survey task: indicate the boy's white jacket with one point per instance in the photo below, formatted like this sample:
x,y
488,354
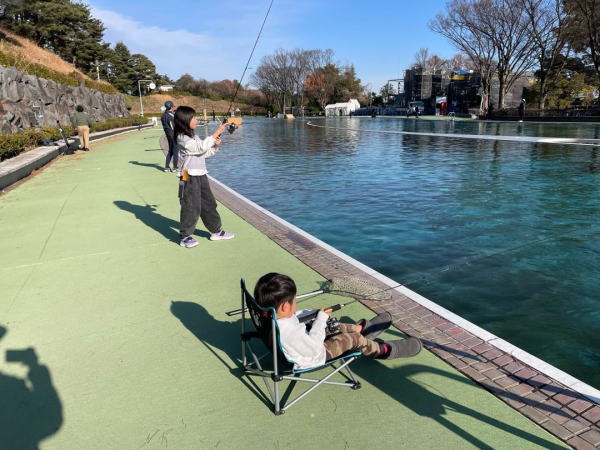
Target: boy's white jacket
x,y
193,151
306,349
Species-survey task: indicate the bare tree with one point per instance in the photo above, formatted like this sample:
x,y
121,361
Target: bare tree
x,y
421,58
460,25
289,74
317,59
436,64
547,19
488,30
274,77
459,62
429,62
508,29
300,69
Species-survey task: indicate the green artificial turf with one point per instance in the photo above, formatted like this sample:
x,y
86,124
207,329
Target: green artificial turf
x,y
133,331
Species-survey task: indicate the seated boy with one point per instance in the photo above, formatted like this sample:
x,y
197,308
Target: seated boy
x,y
312,348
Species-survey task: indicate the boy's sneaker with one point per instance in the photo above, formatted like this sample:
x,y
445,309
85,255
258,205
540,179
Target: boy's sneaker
x,y
221,236
377,325
167,169
188,242
402,348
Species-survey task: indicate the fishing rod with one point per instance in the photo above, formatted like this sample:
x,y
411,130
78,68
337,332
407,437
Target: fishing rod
x,y
377,296
353,286
232,126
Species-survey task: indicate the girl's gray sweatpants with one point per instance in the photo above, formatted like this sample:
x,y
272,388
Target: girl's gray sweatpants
x,y
197,201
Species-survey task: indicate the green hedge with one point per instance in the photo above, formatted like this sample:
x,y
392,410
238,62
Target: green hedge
x,y
72,79
13,144
102,87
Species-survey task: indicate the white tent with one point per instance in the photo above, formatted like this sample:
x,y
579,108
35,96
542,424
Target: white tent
x,y
342,109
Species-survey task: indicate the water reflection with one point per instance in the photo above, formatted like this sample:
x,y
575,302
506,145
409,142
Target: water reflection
x,y
517,222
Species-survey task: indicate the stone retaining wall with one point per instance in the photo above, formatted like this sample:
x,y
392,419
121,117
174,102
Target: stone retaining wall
x,y
27,101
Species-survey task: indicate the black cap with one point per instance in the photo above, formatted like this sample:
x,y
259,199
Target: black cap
x,y
169,104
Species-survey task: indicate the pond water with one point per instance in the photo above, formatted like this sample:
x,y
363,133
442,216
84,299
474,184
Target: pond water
x,y
505,234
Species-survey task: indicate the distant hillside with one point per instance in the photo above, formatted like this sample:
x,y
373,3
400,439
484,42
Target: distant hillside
x,y
152,104
26,56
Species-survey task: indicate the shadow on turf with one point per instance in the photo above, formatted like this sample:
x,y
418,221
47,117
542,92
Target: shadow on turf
x,y
213,334
503,393
30,408
151,165
395,382
147,214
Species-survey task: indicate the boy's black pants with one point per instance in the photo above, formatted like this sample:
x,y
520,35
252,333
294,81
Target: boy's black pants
x,y
197,201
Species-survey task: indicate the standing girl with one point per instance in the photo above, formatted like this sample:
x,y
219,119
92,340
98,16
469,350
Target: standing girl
x,y
195,196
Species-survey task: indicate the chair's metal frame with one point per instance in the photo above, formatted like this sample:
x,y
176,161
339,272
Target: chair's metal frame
x,y
277,374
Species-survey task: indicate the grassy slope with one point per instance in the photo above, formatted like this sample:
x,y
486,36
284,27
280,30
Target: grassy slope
x,y
27,52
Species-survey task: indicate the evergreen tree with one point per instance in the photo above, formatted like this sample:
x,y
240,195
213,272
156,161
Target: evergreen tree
x,y
347,85
141,69
120,73
65,28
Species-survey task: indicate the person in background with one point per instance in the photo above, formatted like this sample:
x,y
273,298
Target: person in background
x,y
81,121
167,123
490,111
521,110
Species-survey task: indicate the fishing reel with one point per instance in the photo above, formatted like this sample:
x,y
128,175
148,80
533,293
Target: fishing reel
x,y
230,127
309,316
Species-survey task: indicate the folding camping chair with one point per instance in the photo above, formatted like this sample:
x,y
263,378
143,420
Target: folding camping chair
x,y
266,330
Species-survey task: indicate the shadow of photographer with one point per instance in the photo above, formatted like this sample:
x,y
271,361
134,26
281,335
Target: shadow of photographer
x,y
30,408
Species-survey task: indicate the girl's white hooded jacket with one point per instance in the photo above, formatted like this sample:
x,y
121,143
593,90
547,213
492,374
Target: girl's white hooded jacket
x,y
192,153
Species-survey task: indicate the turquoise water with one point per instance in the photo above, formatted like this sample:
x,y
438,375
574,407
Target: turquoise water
x,y
505,234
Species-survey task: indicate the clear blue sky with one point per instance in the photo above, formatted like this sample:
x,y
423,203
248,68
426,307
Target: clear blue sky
x,y
213,40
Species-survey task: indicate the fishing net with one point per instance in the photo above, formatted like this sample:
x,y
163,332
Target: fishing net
x,y
350,286
356,288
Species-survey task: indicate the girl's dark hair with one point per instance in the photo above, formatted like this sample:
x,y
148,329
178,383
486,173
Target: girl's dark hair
x,y
273,289
181,122
79,108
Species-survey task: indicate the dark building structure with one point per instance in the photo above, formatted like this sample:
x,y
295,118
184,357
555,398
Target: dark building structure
x,y
425,86
463,91
457,93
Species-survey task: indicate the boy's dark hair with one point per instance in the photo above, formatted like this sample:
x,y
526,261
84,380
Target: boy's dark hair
x,y
181,121
273,289
79,108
